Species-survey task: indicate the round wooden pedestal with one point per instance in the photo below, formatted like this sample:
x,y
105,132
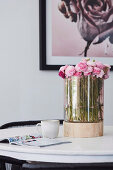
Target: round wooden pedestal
x,y
83,130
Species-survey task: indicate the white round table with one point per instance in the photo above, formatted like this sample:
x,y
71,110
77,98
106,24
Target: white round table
x,y
81,150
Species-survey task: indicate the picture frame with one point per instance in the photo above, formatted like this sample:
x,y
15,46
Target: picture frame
x,y
42,38
44,65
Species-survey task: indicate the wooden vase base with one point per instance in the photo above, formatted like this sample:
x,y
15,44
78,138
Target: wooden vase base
x,y
83,130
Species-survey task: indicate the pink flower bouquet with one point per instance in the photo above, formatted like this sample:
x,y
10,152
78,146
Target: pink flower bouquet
x,y
85,68
84,90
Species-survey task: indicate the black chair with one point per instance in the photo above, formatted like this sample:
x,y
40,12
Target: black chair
x,y
63,166
19,124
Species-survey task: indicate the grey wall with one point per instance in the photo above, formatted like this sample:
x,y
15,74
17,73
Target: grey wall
x,y
25,92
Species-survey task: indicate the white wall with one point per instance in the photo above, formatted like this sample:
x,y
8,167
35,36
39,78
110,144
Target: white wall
x,y
26,93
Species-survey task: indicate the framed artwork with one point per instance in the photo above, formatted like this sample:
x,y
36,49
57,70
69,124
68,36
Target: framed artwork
x,y
72,29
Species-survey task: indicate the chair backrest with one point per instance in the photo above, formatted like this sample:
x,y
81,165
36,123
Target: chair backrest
x,y
22,123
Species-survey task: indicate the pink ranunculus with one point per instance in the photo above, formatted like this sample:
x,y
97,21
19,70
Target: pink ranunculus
x,y
61,74
89,69
62,71
96,71
106,71
63,68
78,74
81,67
107,65
101,74
91,63
106,76
85,60
99,65
70,71
87,73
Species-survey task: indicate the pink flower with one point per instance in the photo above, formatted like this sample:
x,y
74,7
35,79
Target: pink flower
x,y
78,74
106,71
62,71
91,63
84,60
81,67
61,74
101,74
88,71
99,65
107,65
63,68
106,76
96,71
70,71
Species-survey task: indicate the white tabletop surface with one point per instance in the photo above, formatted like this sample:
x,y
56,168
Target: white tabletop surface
x,y
81,150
